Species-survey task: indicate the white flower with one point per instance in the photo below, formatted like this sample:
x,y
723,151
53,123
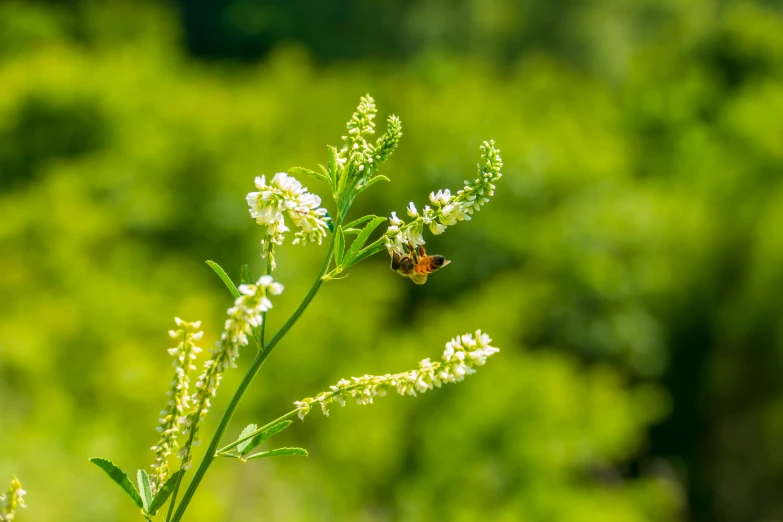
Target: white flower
x,y
285,195
395,221
461,357
412,212
11,501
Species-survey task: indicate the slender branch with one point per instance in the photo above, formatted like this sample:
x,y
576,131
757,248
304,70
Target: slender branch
x,y
209,456
263,428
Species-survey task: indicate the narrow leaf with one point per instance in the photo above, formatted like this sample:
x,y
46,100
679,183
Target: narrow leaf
x,y
362,238
324,170
144,489
118,476
264,435
333,173
224,277
163,493
308,172
279,452
339,246
352,231
245,276
372,182
373,249
249,429
357,222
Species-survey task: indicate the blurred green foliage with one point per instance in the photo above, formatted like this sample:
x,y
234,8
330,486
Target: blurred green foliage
x,y
629,267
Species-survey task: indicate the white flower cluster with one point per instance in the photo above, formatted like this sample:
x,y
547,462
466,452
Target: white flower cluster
x,y
461,357
243,317
11,501
285,195
447,209
184,354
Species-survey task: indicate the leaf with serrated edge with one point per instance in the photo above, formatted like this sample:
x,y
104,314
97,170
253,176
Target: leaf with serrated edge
x,y
224,277
144,489
308,172
279,452
357,222
362,238
372,182
250,428
266,434
373,249
163,493
119,477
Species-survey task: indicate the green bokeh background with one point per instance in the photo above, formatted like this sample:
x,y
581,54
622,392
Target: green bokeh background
x,y
630,267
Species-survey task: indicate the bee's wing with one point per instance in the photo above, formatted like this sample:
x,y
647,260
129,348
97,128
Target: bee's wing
x,y
419,279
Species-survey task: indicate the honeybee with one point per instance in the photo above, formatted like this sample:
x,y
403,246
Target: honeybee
x,y
416,264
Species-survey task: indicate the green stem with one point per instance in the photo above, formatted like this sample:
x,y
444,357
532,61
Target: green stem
x,y
263,428
209,456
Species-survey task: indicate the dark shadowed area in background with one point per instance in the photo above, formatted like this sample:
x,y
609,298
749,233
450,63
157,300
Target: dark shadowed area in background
x,y
630,267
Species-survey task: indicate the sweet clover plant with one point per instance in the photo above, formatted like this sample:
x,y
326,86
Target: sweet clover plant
x,y
282,205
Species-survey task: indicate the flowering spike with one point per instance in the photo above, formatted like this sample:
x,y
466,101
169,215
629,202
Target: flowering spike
x,y
11,501
243,317
462,356
179,403
447,209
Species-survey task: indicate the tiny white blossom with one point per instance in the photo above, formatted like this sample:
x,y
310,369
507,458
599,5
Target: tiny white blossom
x,y
412,212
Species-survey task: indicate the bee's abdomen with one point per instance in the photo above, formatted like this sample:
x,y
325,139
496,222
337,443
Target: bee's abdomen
x,y
424,267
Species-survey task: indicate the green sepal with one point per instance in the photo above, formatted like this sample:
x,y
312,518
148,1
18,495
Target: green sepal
x,y
308,172
164,492
339,246
224,277
245,276
279,452
145,490
249,429
361,239
120,478
264,435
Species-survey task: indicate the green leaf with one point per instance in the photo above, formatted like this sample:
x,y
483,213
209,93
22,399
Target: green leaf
x,y
333,173
373,249
163,493
352,231
245,276
224,277
250,428
357,222
264,435
279,452
373,181
144,489
324,170
308,172
119,476
339,246
361,239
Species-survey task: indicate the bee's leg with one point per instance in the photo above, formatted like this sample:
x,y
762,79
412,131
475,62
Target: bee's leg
x,y
413,253
421,251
